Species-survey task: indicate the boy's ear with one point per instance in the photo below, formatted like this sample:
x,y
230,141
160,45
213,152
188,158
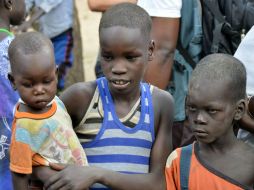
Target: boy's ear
x,y
12,80
151,50
240,109
8,4
57,71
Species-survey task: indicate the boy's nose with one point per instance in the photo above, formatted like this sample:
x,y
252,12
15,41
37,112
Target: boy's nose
x,y
119,68
200,118
38,90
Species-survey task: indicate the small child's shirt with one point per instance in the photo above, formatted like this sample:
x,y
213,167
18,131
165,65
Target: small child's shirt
x,y
201,176
40,139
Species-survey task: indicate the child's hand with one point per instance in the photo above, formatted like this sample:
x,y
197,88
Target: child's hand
x,y
72,177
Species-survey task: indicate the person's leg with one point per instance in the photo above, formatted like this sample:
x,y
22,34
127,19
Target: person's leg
x,y
63,48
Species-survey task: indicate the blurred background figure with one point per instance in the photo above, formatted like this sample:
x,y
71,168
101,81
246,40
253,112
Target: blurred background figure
x,y
55,20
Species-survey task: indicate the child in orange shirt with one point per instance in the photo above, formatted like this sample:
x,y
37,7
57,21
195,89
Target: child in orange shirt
x,y
42,130
217,161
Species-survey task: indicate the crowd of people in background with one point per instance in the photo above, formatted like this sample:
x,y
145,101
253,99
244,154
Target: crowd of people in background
x,y
171,108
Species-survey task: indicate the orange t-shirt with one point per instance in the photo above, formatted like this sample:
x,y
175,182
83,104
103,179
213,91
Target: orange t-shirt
x,y
201,177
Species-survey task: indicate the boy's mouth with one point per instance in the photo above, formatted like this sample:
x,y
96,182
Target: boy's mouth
x,y
120,84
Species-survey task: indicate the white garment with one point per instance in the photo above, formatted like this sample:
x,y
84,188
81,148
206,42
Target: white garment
x,y
162,8
245,53
58,16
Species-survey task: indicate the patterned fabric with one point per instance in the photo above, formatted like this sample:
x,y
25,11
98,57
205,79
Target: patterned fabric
x,y
118,147
48,134
201,176
8,99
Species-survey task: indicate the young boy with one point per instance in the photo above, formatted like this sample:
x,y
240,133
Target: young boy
x,y
215,101
42,131
11,13
130,139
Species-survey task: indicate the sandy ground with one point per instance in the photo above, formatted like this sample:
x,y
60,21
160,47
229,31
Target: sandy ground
x,y
89,22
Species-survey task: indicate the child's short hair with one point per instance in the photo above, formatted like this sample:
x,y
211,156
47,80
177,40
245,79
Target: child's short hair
x,y
127,15
28,43
219,67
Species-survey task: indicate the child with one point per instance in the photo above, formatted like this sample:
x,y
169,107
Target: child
x,y
42,131
127,142
215,101
11,13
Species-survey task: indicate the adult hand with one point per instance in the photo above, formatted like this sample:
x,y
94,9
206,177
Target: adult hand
x,y
72,177
22,28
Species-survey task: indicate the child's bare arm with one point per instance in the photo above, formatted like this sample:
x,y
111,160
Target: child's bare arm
x,y
76,177
43,173
20,181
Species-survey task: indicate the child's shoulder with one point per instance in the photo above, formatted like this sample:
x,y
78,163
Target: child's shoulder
x,y
161,98
79,91
77,99
246,153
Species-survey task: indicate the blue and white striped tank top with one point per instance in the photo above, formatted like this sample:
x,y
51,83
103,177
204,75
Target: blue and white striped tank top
x,y
120,148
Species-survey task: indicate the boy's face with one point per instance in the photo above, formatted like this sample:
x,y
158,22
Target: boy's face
x,y
35,78
124,55
211,110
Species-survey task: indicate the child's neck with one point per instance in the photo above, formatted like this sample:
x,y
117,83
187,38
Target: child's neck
x,y
27,108
23,107
220,146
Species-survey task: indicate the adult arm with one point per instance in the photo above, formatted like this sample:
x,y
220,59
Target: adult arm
x,y
103,5
165,34
247,121
74,177
44,7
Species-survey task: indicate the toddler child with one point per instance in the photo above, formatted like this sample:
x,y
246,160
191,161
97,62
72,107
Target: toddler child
x,y
42,130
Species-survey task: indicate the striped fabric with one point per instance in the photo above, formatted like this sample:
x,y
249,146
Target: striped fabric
x,y
91,122
118,147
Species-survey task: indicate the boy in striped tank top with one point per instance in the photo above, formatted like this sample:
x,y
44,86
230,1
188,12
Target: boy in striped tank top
x,y
128,141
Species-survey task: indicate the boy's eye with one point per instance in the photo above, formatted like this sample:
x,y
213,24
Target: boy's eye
x,y
107,57
28,85
47,81
192,108
212,111
131,58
